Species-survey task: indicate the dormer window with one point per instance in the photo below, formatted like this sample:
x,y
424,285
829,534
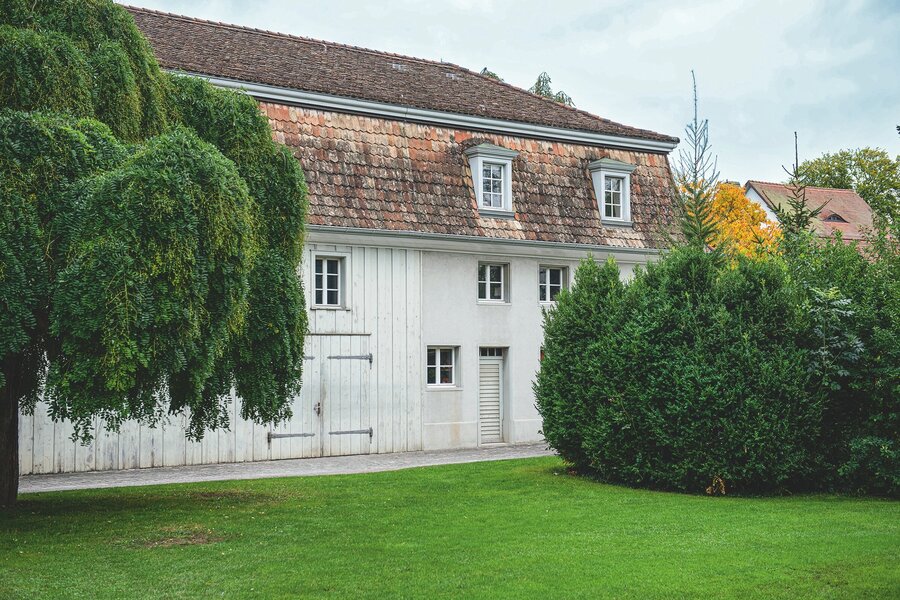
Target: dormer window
x,y
492,178
612,187
492,185
834,218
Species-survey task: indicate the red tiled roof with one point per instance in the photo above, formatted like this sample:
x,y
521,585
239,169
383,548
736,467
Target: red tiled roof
x,y
846,205
308,65
372,173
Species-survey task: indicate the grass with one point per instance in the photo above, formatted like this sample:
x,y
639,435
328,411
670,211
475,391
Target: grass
x,y
511,529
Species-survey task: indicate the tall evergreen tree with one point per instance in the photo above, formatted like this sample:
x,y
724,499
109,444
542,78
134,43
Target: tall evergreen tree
x,y
696,179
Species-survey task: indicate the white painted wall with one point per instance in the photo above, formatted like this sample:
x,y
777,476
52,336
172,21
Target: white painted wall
x,y
383,317
404,294
452,316
754,196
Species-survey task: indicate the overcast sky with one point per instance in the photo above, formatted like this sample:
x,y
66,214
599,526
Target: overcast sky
x,y
830,70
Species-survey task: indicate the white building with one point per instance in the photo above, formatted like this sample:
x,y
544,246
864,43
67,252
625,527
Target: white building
x,y
447,210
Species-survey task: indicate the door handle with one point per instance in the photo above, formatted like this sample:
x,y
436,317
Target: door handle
x,y
318,408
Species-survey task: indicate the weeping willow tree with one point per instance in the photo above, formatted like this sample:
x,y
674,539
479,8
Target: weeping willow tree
x,y
150,234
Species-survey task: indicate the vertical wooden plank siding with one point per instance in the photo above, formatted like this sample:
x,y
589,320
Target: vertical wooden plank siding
x,y
383,317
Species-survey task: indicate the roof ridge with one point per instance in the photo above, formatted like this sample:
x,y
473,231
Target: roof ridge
x,y
298,38
546,99
392,55
815,187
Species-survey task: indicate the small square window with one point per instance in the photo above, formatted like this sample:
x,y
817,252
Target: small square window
x,y
551,280
492,282
440,365
328,281
612,197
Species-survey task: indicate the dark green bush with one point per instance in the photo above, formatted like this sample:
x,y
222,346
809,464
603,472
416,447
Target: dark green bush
x,y
773,374
858,354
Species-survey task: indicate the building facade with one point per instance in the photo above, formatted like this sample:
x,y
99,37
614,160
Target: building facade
x,y
447,210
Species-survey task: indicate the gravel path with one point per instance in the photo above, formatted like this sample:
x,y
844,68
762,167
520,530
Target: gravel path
x,y
336,465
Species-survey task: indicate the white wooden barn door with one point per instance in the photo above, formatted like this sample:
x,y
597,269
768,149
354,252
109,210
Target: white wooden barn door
x,y
331,414
346,362
490,396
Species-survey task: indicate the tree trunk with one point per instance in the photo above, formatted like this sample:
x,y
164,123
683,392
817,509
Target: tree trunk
x,y
9,444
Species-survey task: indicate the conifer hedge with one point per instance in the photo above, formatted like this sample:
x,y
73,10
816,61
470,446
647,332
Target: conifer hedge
x,y
771,374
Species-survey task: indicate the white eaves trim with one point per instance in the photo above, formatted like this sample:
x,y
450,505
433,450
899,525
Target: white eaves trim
x,y
466,244
393,111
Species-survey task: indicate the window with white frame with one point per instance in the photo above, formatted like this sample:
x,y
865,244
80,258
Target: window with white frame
x,y
492,185
329,278
551,280
612,187
492,177
492,282
440,365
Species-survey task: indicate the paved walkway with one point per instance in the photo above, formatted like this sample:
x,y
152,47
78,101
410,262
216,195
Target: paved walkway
x,y
301,467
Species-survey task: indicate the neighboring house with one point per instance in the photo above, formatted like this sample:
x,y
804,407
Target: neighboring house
x,y
446,211
842,210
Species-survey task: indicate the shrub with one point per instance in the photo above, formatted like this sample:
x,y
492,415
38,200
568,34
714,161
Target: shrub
x,y
771,373
858,354
689,372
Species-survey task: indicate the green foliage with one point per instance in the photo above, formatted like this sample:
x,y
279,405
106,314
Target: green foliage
x,y
39,69
567,388
774,373
83,57
871,172
488,73
696,375
543,88
268,358
856,336
165,244
151,230
796,219
695,183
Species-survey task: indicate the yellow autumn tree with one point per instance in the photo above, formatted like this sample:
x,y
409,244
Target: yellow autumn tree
x,y
742,224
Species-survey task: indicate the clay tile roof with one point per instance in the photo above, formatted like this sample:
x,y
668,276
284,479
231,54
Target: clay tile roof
x,y
264,57
842,210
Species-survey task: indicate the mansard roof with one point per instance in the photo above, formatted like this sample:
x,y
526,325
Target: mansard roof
x,y
370,173
298,63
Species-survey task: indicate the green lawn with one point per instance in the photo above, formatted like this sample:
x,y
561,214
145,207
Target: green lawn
x,y
513,529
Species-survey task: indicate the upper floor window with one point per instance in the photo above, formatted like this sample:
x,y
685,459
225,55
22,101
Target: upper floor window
x,y
492,177
612,186
492,282
551,281
328,281
492,185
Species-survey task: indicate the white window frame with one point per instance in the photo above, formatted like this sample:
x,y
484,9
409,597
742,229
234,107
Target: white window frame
x,y
439,364
343,281
485,155
606,168
563,281
504,283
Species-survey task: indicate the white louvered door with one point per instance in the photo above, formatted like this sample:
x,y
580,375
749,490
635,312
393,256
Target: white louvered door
x,y
490,399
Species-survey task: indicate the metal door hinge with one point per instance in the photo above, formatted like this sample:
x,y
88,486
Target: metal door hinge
x,y
273,436
367,357
349,431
